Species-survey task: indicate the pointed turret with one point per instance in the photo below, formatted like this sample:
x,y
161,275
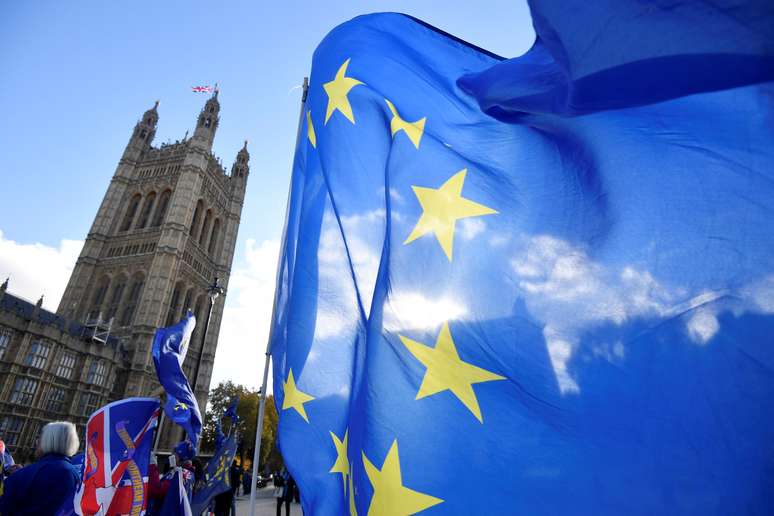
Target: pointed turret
x,y
143,134
207,123
241,167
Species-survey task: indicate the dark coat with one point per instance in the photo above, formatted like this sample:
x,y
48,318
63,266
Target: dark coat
x,y
41,488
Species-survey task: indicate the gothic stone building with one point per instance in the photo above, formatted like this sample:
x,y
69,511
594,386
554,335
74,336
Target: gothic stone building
x,y
165,230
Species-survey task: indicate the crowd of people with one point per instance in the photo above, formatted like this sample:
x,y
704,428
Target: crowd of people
x,y
44,487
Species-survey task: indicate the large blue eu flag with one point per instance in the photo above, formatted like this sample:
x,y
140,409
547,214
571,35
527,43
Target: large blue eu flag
x,y
542,285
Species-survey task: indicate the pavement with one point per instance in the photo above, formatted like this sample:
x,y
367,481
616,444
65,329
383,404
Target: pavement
x,y
265,504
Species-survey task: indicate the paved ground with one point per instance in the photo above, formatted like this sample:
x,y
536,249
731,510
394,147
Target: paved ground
x,y
266,504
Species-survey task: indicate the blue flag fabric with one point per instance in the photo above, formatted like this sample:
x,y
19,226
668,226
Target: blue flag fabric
x,y
216,475
231,411
170,346
566,310
176,501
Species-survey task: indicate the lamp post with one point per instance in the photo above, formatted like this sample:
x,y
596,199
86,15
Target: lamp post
x,y
213,292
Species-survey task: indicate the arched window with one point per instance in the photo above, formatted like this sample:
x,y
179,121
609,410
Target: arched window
x,y
207,122
150,199
115,297
205,227
187,302
214,236
99,298
131,210
132,300
197,215
142,134
174,305
199,313
161,209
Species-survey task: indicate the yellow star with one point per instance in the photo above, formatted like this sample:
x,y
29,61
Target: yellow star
x,y
352,508
413,130
391,498
310,130
337,91
294,398
446,371
341,465
442,208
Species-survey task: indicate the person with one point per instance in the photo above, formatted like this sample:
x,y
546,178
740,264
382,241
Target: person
x,y
247,482
288,486
41,488
6,463
158,486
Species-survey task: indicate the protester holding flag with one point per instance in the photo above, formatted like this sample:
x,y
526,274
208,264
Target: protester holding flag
x,y
42,488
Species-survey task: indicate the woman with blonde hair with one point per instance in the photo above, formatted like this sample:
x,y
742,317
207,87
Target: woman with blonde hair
x,y
43,487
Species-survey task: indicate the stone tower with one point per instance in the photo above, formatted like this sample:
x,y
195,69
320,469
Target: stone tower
x,y
165,230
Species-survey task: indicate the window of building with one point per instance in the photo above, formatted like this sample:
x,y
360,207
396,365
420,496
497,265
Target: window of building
x,y
5,341
197,215
150,200
214,236
88,403
56,400
205,227
66,365
97,372
10,429
174,305
115,298
99,297
161,210
131,211
24,390
131,302
38,355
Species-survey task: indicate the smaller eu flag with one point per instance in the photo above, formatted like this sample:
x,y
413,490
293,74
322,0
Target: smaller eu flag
x,y
216,475
170,346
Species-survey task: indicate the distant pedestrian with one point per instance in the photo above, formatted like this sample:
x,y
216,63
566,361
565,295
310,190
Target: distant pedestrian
x,y
247,482
286,493
41,488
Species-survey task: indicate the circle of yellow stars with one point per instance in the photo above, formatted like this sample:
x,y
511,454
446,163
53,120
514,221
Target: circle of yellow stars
x,y
445,371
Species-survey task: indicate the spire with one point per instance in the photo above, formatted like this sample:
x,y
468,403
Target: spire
x,y
240,168
40,302
4,286
207,123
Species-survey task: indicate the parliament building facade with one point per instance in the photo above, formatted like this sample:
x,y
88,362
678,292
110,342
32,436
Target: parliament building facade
x,y
166,228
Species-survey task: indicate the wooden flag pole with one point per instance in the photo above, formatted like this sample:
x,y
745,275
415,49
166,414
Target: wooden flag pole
x,y
262,403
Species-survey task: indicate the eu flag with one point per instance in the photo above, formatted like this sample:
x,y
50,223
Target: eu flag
x,y
534,286
170,346
216,475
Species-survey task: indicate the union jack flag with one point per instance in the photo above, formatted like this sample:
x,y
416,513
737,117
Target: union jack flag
x,y
119,438
202,89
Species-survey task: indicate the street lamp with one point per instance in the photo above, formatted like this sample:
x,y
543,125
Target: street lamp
x,y
213,291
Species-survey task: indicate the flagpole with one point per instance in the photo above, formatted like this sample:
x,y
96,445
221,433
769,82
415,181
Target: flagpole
x,y
262,403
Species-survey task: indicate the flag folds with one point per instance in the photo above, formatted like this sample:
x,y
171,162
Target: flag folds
x,y
118,443
217,479
500,294
170,346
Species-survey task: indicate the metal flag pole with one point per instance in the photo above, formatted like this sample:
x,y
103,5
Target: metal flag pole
x,y
262,403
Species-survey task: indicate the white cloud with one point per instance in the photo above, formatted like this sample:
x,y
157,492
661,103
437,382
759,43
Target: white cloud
x,y
703,325
36,269
471,227
244,330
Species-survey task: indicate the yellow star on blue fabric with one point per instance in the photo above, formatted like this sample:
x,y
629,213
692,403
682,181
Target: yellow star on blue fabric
x,y
337,91
342,462
391,497
441,208
310,130
445,370
294,397
413,130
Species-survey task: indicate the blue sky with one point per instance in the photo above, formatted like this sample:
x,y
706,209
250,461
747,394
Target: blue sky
x,y
77,75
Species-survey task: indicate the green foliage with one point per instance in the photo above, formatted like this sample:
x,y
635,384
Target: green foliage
x,y
247,410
